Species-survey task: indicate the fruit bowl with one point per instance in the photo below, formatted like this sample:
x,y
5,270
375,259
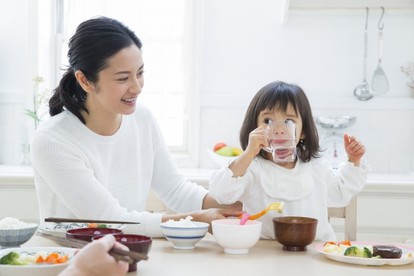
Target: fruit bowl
x,y
220,160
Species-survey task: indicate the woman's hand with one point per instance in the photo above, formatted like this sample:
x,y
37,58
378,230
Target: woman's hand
x,y
354,149
93,259
211,202
208,215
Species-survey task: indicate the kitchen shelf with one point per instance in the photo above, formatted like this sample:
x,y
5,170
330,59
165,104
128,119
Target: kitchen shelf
x,y
351,4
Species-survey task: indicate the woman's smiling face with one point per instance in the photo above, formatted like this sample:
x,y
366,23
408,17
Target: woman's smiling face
x,y
119,83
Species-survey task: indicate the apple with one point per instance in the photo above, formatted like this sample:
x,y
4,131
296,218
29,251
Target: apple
x,y
225,151
219,146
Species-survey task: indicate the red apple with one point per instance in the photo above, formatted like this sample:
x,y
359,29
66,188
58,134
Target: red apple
x,y
219,146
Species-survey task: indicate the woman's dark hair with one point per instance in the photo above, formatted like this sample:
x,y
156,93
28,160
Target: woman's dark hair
x,y
278,95
95,41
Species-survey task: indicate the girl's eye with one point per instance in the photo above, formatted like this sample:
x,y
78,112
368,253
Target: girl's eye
x,y
267,121
289,121
123,79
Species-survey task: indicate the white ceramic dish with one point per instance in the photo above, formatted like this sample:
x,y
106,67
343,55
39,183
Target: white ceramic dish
x,y
236,238
220,160
59,229
406,258
184,237
35,269
18,236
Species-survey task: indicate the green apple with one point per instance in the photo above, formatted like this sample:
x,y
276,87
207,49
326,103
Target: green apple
x,y
225,151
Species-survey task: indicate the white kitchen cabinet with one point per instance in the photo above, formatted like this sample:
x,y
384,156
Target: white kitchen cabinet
x,y
350,4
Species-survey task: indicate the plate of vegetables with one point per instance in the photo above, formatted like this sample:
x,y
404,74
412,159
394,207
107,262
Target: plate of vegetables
x,y
34,260
366,253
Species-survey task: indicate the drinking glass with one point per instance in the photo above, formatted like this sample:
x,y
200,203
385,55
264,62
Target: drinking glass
x,y
281,136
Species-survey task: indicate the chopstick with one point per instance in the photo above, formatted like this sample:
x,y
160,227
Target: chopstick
x,y
119,254
58,220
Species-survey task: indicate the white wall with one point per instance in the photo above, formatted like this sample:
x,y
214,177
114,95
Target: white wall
x,y
244,47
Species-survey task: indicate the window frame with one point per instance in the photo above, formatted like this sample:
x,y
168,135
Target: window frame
x,y
186,156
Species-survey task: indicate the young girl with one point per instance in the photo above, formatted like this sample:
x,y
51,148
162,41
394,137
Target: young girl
x,y
101,152
307,186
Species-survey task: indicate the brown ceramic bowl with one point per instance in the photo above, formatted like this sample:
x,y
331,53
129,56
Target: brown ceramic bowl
x,y
295,233
137,243
86,234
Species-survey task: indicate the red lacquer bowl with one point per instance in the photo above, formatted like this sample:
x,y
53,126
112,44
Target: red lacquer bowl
x,y
86,234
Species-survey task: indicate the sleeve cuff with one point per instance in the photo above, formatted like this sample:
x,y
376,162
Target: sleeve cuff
x,y
149,226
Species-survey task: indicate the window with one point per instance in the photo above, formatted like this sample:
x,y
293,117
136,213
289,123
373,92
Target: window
x,y
166,29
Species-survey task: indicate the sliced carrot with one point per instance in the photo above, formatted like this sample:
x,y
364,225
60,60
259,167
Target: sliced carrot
x,y
92,225
329,242
40,260
348,243
62,259
52,258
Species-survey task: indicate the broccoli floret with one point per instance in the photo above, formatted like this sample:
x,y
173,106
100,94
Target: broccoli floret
x,y
12,258
367,253
354,251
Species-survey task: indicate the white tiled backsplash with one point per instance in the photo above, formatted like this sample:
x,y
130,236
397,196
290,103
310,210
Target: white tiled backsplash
x,y
385,126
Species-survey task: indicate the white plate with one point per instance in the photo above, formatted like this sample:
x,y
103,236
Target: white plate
x,y
406,258
35,269
59,229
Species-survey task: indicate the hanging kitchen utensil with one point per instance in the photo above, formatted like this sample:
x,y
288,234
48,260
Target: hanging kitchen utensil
x,y
362,92
379,82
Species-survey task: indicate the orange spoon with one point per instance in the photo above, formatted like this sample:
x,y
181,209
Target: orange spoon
x,y
276,206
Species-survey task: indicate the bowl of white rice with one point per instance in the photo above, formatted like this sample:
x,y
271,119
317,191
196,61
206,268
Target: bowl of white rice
x,y
14,232
185,233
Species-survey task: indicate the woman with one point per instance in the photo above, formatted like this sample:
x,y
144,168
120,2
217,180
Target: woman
x,y
101,152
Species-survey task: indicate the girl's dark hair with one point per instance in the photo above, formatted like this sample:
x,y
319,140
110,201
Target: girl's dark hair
x,y
95,41
278,95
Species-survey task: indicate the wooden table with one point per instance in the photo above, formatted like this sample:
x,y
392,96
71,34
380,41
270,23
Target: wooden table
x,y
265,258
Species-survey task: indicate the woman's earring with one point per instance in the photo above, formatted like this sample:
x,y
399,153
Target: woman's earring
x,y
302,144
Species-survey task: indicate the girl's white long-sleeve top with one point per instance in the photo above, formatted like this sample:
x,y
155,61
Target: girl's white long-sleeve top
x,y
307,190
80,174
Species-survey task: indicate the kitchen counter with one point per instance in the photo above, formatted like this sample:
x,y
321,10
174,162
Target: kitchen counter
x,y
266,258
403,180
384,205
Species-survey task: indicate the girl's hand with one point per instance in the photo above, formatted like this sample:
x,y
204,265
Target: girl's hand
x,y
257,140
354,148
